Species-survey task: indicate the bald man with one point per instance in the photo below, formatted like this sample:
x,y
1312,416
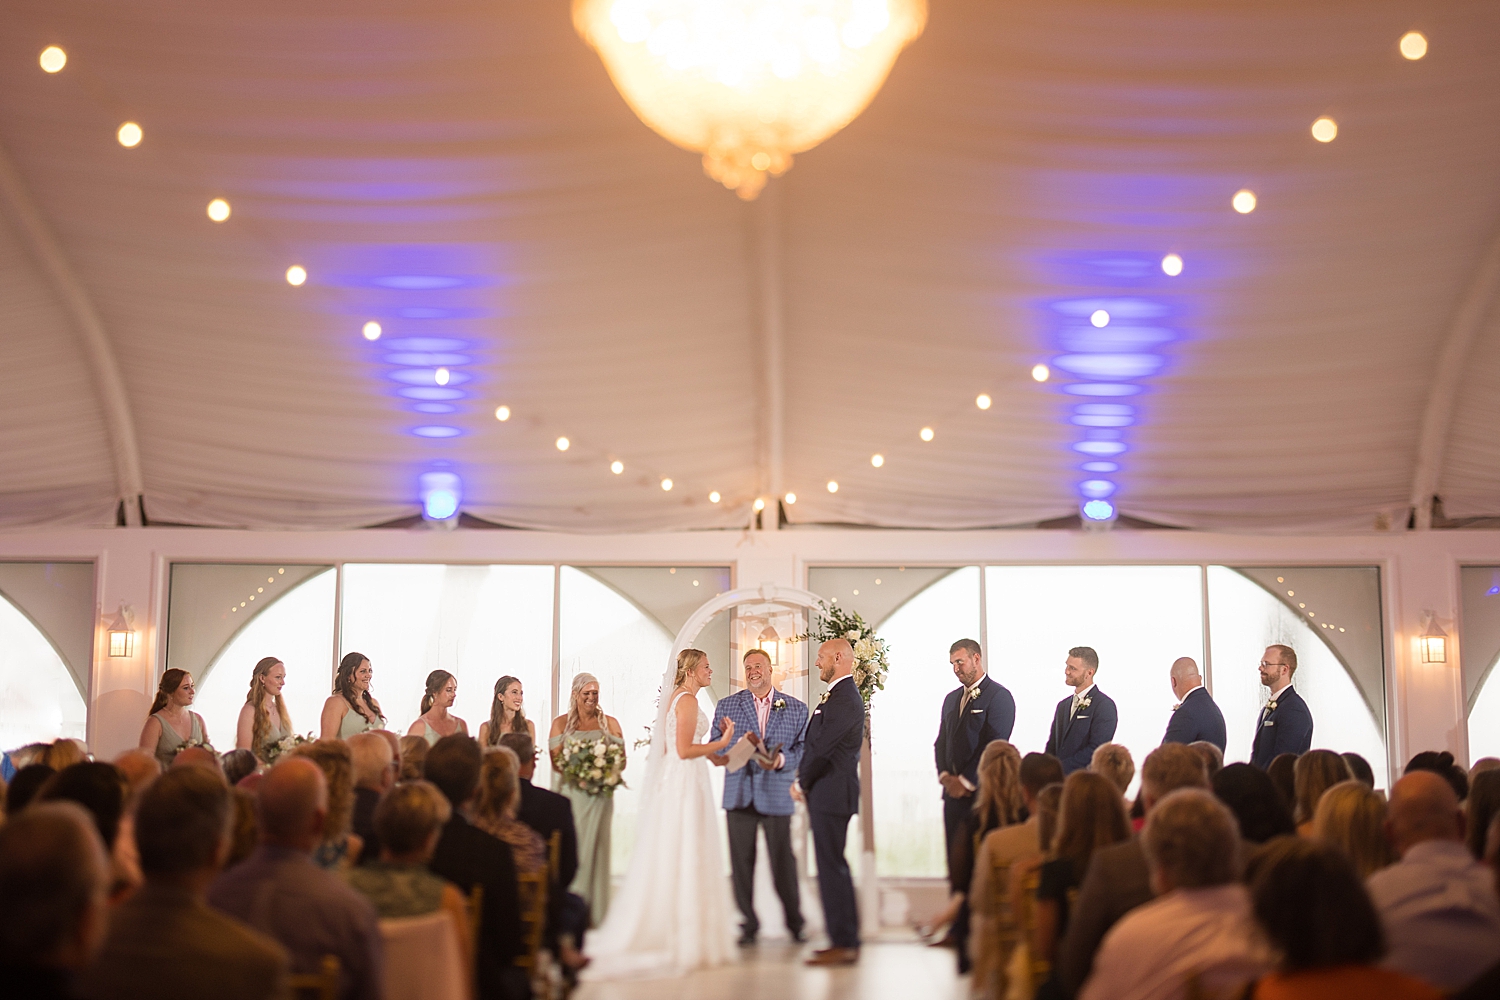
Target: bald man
x,y
1437,904
1195,717
828,778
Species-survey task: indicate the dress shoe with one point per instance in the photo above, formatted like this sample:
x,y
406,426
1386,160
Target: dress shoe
x,y
747,939
834,957
798,936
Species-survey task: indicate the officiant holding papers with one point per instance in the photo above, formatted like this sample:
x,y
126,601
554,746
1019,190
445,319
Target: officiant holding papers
x,y
757,793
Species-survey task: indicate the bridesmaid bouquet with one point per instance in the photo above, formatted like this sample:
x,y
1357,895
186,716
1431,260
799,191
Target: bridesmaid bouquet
x,y
593,766
273,751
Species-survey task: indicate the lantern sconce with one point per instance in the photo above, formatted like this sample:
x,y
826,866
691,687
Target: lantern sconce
x,y
121,635
1433,641
769,642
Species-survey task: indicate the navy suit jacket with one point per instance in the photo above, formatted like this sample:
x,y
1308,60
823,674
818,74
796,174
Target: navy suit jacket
x,y
990,715
1197,718
829,773
1073,741
1288,729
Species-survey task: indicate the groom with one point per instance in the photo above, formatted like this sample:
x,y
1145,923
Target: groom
x,y
758,796
829,780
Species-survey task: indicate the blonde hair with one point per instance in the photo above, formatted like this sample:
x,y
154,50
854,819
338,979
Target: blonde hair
x,y
1113,761
999,802
580,681
499,785
687,662
1351,817
409,814
257,700
337,764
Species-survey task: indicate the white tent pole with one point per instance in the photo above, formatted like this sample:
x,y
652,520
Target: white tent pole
x,y
768,271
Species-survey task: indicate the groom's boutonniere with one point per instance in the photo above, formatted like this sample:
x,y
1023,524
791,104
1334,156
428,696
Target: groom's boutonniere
x,y
778,704
1176,706
824,698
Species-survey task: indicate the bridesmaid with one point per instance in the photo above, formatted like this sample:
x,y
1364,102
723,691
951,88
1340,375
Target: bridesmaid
x,y
434,723
263,718
171,724
351,709
506,715
592,814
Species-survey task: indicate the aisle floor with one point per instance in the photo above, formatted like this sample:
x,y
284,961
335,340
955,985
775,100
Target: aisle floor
x,y
890,970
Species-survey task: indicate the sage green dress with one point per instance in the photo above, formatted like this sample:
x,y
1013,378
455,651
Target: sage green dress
x,y
592,816
170,741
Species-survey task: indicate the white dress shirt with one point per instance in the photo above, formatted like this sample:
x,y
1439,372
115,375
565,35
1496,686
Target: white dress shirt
x,y
1154,949
1440,912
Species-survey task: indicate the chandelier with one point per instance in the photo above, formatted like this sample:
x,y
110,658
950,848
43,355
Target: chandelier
x,y
748,83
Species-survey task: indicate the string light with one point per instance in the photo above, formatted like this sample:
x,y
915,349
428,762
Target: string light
x,y
1243,201
1171,265
502,413
617,466
833,486
218,210
1413,45
130,135
877,460
372,330
563,444
983,401
1041,373
760,503
1325,129
1100,318
926,434
713,497
441,376
53,59
296,275
666,485
790,499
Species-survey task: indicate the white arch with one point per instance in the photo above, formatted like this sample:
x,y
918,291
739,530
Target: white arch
x,y
766,593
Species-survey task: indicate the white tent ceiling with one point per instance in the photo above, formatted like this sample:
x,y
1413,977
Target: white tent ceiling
x,y
465,172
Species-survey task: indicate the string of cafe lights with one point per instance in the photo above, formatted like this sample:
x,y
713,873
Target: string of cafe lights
x,y
250,599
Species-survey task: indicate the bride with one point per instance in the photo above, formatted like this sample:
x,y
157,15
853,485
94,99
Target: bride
x,y
672,913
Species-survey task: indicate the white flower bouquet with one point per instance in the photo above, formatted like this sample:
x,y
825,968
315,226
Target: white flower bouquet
x,y
593,766
870,663
271,752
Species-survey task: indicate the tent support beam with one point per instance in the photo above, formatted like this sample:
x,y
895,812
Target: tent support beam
x,y
18,204
769,286
1453,359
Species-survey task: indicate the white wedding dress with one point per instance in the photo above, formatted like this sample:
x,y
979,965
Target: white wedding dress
x,y
672,913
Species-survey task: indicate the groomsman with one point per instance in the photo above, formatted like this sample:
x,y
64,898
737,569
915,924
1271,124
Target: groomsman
x,y
758,796
829,780
976,712
1285,724
1195,717
1085,721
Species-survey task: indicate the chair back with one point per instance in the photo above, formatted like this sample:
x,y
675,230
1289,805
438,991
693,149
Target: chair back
x,y
423,958
323,984
532,888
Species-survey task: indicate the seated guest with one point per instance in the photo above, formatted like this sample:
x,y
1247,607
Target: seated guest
x,y
1314,773
1359,768
413,757
374,773
237,764
1351,818
100,789
1313,909
25,785
1282,772
280,892
181,826
409,821
140,768
1482,765
340,848
548,813
998,803
1213,757
203,757
1090,816
1117,880
63,753
1481,808
1441,763
1199,929
1250,795
1113,761
467,856
53,910
244,831
1437,904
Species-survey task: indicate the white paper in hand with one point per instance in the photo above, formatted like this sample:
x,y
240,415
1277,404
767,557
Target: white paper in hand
x,y
739,755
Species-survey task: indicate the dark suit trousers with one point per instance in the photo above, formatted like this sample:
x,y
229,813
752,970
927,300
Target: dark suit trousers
x,y
955,815
743,824
830,831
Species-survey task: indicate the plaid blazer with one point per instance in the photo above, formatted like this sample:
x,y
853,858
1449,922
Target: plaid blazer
x,y
770,792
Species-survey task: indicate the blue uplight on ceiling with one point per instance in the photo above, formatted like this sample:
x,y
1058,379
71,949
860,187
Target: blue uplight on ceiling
x,y
1493,591
1105,409
426,312
431,392
1098,510
1098,489
1089,420
427,358
441,493
434,407
1100,466
1124,307
427,376
1100,447
419,282
427,344
1114,338
436,431
1110,366
1102,389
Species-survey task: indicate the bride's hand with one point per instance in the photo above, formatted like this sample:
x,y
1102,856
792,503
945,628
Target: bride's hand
x,y
728,733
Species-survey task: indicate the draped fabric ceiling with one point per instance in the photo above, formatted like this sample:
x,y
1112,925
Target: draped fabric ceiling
x,y
465,174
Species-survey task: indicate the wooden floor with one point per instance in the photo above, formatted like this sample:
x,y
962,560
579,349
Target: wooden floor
x,y
892,969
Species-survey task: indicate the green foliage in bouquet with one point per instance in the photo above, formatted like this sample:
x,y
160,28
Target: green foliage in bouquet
x,y
593,765
870,664
272,752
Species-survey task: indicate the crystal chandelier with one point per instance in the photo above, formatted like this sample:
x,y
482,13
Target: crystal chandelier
x,y
748,83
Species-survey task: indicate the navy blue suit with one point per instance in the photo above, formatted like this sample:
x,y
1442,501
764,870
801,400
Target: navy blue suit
x,y
1074,740
829,776
990,715
1286,729
1197,719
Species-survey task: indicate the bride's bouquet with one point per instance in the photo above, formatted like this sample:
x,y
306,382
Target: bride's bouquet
x,y
593,766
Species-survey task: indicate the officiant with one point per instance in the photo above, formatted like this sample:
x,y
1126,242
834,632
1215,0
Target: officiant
x,y
977,711
758,796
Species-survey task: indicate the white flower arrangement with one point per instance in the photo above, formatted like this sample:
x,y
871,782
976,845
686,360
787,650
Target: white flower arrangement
x,y
272,752
870,653
593,766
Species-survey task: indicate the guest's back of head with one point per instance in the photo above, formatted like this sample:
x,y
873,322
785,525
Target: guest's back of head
x,y
1048,804
1283,774
53,877
499,785
1038,770
1315,772
1351,817
198,757
292,803
1091,815
1169,767
999,801
1113,761
413,757
453,766
372,759
237,765
1359,768
1482,765
99,788
337,764
182,823
1191,841
1481,807
1250,795
1423,807
410,817
140,768
244,828
1441,763
522,745
25,785
1312,906
64,753
1213,757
